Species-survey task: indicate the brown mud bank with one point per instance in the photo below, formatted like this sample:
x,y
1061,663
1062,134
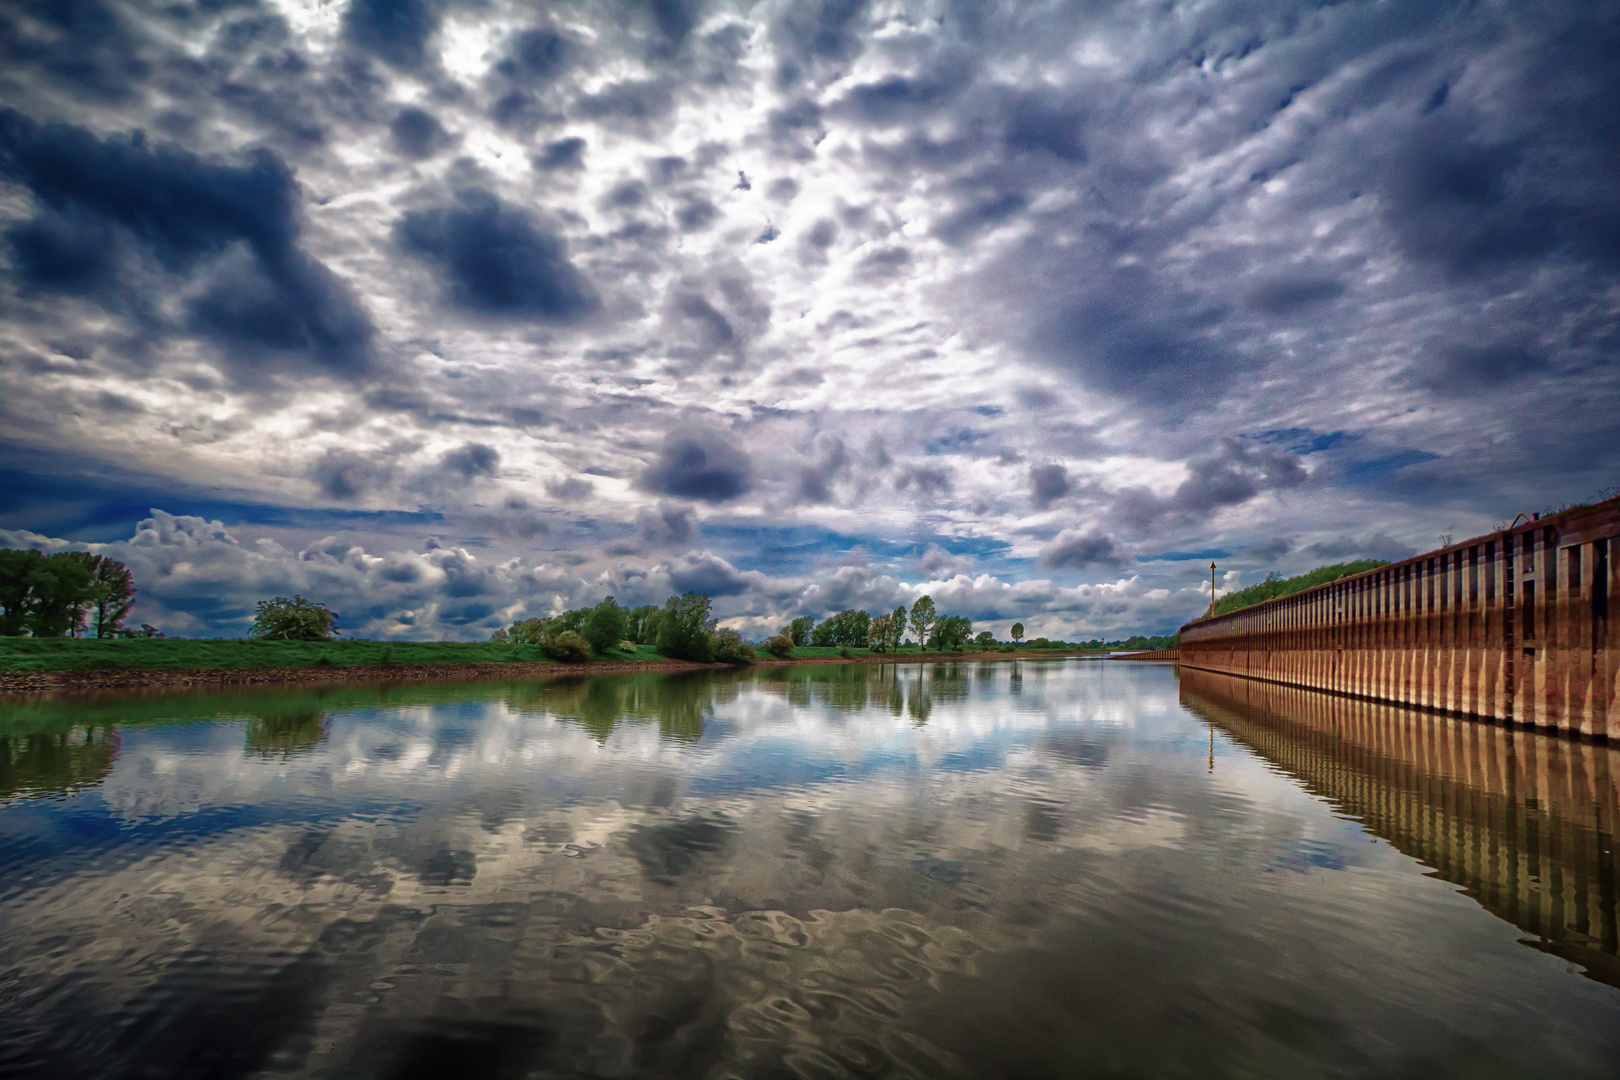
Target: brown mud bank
x,y
114,679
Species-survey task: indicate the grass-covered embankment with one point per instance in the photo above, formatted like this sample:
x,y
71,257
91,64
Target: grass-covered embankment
x,y
1272,588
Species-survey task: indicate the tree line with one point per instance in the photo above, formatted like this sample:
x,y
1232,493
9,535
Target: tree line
x,y
65,594
881,633
682,628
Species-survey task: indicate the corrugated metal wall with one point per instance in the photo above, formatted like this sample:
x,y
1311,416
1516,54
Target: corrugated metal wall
x,y
1508,627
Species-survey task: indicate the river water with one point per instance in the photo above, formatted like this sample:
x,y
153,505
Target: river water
x,y
1064,868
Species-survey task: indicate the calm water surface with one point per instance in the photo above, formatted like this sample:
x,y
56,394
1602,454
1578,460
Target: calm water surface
x,y
1061,868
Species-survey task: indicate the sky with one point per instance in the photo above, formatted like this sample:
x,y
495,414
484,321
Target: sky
x,y
453,312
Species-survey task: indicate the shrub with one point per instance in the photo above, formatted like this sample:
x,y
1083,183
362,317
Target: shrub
x,y
627,646
845,653
569,646
779,646
728,647
297,619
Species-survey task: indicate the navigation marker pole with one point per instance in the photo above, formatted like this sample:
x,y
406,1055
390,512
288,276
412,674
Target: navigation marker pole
x,y
1212,588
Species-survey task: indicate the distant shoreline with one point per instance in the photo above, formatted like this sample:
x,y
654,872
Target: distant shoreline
x,y
38,682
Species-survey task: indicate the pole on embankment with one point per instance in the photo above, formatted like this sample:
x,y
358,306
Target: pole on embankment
x,y
1212,588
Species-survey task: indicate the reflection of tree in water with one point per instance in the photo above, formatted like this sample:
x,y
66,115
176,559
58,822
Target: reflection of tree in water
x,y
56,762
678,703
285,732
949,682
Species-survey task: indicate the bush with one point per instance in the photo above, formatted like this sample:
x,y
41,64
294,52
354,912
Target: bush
x,y
729,647
627,646
297,619
569,646
779,646
845,653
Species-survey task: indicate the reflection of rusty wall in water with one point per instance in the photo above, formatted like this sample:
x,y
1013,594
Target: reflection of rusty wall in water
x,y
1523,823
1514,626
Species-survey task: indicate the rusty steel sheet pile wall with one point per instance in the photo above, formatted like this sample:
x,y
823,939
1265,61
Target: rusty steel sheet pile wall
x,y
1523,821
1513,627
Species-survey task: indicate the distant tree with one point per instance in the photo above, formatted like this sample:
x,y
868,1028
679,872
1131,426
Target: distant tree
x,y
897,626
986,639
847,628
685,628
1017,632
952,632
606,625
779,646
799,629
112,592
501,635
297,619
923,617
527,631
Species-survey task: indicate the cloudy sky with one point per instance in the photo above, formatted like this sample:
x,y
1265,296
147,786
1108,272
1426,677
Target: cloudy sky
x,y
448,312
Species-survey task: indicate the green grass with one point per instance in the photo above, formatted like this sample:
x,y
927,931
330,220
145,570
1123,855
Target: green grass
x,y
160,654
1270,590
77,654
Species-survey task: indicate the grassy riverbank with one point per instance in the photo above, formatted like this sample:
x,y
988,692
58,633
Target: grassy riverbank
x,y
194,654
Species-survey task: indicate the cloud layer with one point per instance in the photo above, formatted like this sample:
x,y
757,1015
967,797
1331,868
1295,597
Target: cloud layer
x,y
804,304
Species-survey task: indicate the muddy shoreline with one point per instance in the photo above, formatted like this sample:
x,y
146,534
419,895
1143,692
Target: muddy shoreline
x,y
31,683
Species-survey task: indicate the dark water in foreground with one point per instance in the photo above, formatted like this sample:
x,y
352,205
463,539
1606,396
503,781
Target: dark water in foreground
x,y
1058,868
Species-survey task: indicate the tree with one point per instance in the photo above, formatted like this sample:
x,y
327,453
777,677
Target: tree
x,y
297,619
825,634
897,627
799,629
986,639
728,647
685,628
641,625
606,625
879,630
1017,632
952,632
779,646
42,595
113,592
923,618
569,646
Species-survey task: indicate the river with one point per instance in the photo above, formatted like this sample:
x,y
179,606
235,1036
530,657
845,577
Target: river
x,y
1055,868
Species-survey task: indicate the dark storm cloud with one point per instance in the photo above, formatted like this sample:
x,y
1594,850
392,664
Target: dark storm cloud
x,y
495,259
818,38
345,475
113,209
473,459
831,463
566,153
1234,475
418,134
707,574
631,103
86,46
1464,371
397,31
571,489
1047,484
699,465
927,481
1075,550
1282,295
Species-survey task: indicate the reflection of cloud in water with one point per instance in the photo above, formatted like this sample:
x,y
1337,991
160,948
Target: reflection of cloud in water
x,y
560,879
